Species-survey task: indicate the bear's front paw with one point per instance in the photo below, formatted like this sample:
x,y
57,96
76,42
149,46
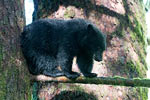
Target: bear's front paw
x,y
90,75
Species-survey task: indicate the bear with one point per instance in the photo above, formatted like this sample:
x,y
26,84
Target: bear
x,y
49,46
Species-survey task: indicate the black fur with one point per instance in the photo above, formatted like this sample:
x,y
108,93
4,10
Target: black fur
x,y
49,43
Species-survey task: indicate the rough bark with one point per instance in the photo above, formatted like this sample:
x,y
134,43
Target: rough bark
x,y
14,81
124,23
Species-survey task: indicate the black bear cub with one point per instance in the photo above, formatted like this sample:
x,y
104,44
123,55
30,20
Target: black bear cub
x,y
49,46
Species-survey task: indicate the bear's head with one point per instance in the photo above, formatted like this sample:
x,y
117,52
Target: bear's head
x,y
96,41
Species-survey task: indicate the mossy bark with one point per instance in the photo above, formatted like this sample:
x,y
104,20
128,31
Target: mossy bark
x,y
14,80
124,23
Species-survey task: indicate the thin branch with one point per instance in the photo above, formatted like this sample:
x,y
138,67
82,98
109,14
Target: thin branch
x,y
135,82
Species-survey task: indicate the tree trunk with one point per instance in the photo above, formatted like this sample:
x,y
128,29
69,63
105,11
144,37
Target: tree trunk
x,y
124,23
14,81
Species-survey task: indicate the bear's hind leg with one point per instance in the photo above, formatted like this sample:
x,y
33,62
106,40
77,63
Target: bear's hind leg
x,y
47,65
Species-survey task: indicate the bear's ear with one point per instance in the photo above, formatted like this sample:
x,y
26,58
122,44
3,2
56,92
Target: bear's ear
x,y
90,29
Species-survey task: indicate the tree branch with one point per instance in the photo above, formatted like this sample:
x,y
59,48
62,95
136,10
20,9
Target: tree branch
x,y
135,82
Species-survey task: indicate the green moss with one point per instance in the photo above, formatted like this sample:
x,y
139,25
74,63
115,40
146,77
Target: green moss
x,y
140,93
13,74
143,93
137,24
69,13
142,58
2,86
1,55
148,40
140,50
2,77
134,69
28,87
138,32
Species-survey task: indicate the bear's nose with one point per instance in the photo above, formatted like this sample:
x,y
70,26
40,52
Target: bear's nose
x,y
98,58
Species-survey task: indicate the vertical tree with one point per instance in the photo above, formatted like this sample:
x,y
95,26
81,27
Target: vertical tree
x,y
124,23
14,82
